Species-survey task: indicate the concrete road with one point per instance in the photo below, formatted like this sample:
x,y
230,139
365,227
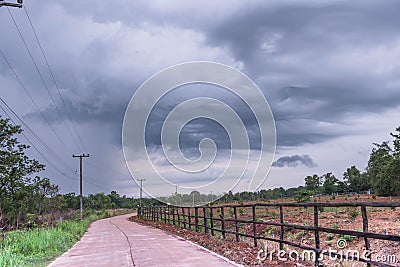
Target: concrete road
x,y
119,242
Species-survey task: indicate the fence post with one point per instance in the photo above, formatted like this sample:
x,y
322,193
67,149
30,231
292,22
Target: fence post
x,y
179,219
169,219
156,213
173,216
253,210
183,218
211,221
165,215
223,223
365,230
282,232
316,232
236,225
189,219
196,218
205,220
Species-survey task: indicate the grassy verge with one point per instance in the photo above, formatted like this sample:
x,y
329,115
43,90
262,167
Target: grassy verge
x,y
37,247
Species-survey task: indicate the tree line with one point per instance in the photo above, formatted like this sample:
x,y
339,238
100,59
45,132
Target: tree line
x,y
381,177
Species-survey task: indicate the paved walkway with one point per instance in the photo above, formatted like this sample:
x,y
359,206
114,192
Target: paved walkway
x,y
119,242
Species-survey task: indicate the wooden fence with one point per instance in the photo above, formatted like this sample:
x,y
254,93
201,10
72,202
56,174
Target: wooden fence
x,y
215,220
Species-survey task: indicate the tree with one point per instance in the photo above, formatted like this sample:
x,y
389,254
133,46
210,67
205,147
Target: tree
x,y
313,183
382,170
302,195
356,181
15,172
396,142
44,197
330,183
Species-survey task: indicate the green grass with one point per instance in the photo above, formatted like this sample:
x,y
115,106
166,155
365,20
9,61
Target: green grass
x,y
37,247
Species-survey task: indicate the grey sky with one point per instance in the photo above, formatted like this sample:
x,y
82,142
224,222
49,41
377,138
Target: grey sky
x,y
329,70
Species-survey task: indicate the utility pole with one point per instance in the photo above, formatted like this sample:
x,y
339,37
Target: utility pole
x,y
141,190
19,5
80,180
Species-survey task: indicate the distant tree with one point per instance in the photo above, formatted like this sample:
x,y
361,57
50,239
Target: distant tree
x,y
330,183
396,143
383,168
291,192
72,201
342,187
356,181
303,195
44,196
313,183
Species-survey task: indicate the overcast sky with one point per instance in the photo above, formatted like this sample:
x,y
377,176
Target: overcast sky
x,y
330,71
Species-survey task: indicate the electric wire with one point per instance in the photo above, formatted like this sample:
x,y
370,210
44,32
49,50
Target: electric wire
x,y
38,139
86,180
41,76
56,85
80,143
33,145
53,78
33,101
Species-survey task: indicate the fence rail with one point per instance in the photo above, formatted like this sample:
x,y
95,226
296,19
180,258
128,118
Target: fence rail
x,y
214,219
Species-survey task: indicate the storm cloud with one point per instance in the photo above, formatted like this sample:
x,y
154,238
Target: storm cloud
x,y
329,71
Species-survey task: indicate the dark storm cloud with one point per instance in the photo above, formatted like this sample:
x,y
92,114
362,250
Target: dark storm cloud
x,y
318,63
198,129
294,161
281,46
299,28
338,52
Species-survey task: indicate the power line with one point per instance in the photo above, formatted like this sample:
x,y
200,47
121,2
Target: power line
x,y
48,91
46,147
53,78
41,76
33,101
88,180
33,145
